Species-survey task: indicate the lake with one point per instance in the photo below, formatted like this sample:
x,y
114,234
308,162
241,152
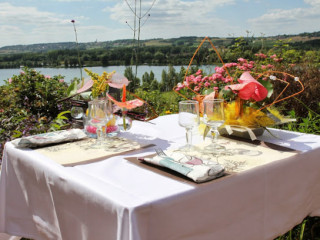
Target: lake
x,y
70,73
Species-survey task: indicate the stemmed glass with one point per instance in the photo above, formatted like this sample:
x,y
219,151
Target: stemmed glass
x,y
189,118
213,116
98,116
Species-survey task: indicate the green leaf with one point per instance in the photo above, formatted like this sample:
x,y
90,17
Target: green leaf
x,y
268,85
208,91
55,126
60,115
302,229
18,134
72,89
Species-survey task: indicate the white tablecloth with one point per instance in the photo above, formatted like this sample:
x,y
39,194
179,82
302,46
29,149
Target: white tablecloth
x,y
116,199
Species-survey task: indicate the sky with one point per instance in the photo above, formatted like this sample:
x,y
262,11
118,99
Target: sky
x,y
49,21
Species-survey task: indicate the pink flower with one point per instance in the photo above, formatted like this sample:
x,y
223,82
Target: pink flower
x,y
206,78
199,72
243,68
219,70
197,88
47,77
249,88
10,80
242,60
216,76
179,86
273,56
228,79
263,66
117,81
278,59
207,84
261,55
215,88
229,65
197,79
61,80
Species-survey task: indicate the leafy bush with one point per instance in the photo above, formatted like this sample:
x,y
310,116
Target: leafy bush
x,y
162,102
29,105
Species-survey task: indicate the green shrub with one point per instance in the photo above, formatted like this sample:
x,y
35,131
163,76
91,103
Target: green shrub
x,y
162,102
28,105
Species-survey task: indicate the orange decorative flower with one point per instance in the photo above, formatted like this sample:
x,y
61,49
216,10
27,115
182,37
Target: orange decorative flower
x,y
127,104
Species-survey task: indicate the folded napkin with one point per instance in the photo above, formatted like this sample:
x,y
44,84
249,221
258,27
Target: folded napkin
x,y
199,170
44,139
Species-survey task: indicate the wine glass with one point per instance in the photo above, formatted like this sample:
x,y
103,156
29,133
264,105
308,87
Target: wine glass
x,y
213,116
189,118
98,116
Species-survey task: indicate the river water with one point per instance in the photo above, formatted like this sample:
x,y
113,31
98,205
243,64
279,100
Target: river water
x,y
70,73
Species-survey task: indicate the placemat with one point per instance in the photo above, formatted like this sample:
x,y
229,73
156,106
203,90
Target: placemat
x,y
81,152
242,155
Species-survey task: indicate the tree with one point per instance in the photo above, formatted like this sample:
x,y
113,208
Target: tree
x,y
164,80
134,81
105,60
159,57
172,77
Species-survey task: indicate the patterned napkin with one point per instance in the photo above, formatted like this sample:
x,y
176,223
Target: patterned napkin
x,y
199,170
44,139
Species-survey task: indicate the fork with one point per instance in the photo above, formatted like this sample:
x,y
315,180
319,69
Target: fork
x,y
160,152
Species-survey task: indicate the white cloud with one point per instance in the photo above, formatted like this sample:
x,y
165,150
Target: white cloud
x,y
173,18
16,15
288,21
313,2
27,25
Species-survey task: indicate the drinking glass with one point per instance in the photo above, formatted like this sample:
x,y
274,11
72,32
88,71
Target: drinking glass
x,y
189,118
76,112
213,116
98,116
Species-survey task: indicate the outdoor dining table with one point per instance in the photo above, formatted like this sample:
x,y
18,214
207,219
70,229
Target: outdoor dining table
x,y
122,198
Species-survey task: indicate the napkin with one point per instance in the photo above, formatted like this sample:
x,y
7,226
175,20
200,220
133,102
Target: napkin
x,y
199,170
44,139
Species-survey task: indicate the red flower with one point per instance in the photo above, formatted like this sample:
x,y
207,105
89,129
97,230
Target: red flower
x,y
249,88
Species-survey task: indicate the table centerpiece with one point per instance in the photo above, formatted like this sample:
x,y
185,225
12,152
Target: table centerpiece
x,y
247,88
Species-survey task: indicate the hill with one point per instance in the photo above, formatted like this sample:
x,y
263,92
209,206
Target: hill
x,y
308,39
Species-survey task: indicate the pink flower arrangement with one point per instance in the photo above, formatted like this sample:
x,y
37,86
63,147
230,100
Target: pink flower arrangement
x,y
247,82
226,75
